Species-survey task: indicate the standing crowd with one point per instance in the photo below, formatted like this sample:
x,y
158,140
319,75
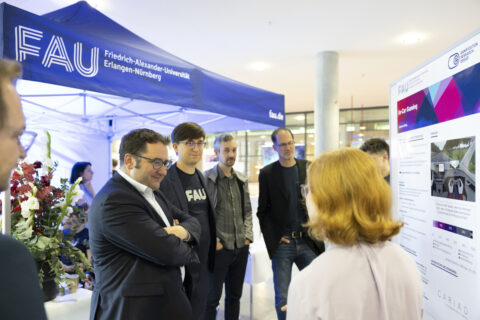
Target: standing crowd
x,y
165,238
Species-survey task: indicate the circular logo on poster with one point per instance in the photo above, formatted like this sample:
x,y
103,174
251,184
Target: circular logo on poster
x,y
453,60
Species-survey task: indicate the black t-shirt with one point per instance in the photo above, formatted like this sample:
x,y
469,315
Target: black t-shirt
x,y
296,210
197,206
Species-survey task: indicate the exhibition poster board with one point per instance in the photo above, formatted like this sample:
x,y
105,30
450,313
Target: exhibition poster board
x,y
434,131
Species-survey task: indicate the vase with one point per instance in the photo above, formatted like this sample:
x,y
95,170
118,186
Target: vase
x,y
50,289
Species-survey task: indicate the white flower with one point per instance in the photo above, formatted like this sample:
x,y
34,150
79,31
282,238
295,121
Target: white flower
x,y
46,164
60,204
69,210
77,194
34,188
28,205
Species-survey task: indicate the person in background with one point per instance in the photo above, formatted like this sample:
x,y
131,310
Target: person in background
x,y
361,275
233,217
20,295
185,187
84,170
79,233
114,166
282,214
379,150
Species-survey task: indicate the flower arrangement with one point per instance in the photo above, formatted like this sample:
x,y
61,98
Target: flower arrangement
x,y
37,214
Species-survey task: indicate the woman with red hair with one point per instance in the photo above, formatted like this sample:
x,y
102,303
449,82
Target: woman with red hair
x,y
361,275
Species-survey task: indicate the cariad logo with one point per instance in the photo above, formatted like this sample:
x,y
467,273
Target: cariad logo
x,y
273,115
453,60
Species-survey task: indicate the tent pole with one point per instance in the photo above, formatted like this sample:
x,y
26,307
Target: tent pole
x,y
6,209
84,104
246,156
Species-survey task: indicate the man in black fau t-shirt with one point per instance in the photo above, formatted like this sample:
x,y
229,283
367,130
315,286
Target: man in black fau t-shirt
x,y
197,205
184,186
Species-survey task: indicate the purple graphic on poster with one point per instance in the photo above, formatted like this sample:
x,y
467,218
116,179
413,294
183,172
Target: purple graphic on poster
x,y
452,98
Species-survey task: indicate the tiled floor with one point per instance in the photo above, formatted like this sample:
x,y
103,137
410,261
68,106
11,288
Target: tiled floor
x,y
263,302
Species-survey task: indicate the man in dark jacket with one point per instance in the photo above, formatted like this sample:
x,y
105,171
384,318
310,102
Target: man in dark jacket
x,y
185,187
20,294
233,215
282,213
139,241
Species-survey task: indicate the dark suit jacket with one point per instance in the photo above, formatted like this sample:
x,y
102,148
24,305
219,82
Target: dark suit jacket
x,y
273,205
136,262
20,295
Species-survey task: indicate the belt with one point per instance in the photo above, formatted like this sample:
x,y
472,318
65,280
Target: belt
x,y
294,234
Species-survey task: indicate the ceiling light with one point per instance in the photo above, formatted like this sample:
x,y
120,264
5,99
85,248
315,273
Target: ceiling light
x,y
300,118
411,38
259,66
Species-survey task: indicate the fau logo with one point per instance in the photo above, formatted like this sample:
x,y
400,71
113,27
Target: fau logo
x,y
56,53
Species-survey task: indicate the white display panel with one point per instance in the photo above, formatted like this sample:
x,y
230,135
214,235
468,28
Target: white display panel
x,y
435,132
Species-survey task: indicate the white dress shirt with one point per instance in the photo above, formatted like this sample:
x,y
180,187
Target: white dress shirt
x,y
147,193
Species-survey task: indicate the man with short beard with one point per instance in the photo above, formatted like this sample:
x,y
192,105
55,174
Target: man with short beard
x,y
233,215
20,294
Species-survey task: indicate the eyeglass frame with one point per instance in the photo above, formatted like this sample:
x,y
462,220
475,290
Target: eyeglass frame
x,y
164,163
285,144
304,190
32,135
192,144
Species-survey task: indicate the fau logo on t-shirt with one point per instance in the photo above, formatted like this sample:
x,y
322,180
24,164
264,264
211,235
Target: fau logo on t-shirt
x,y
194,195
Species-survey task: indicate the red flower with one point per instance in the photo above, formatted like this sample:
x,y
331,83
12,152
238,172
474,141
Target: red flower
x,y
23,188
45,181
17,208
28,171
44,192
16,176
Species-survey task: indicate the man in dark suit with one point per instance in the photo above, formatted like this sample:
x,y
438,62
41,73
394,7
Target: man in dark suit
x,y
20,295
139,241
282,213
185,186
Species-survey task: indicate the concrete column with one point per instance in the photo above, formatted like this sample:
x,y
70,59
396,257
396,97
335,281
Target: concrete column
x,y
326,102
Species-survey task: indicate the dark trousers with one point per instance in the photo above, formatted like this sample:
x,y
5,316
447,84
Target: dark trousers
x,y
197,285
298,252
230,268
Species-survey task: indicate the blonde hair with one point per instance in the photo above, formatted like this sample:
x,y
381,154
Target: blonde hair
x,y
352,199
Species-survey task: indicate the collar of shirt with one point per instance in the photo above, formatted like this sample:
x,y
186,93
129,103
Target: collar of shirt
x,y
222,175
143,189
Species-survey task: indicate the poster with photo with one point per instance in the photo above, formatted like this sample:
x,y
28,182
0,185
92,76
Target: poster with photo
x,y
434,135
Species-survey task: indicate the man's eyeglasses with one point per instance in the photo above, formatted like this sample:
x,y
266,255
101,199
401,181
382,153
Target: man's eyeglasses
x,y
192,144
26,139
289,143
157,163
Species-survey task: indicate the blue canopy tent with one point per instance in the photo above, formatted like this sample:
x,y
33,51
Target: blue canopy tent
x,y
94,81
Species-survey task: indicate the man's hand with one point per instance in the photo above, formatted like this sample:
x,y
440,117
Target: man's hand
x,y
219,246
283,239
284,308
247,242
178,231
